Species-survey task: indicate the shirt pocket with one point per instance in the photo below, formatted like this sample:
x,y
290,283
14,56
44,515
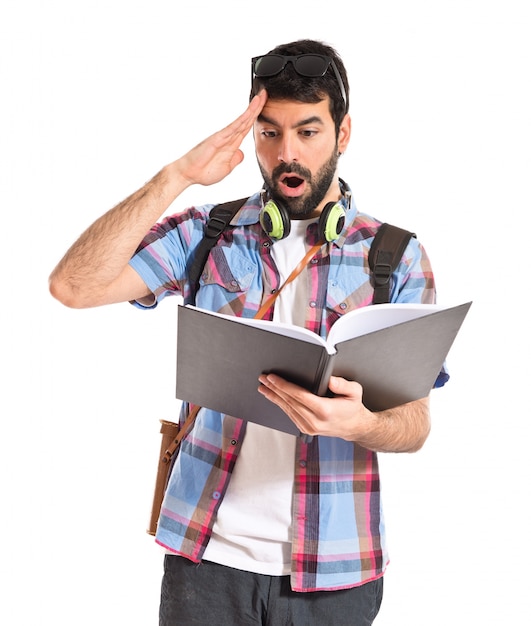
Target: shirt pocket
x,y
351,291
227,269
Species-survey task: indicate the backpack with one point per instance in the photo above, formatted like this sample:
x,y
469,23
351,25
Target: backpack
x,y
386,250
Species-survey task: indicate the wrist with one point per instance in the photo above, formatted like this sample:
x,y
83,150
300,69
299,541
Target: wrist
x,y
365,425
175,178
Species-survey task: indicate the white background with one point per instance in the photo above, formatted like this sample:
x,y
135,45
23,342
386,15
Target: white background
x,y
95,98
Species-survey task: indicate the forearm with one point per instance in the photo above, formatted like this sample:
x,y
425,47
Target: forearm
x,y
402,429
97,259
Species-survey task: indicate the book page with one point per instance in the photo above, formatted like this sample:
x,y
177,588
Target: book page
x,y
353,324
371,318
288,330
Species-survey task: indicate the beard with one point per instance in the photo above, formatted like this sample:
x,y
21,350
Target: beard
x,y
303,206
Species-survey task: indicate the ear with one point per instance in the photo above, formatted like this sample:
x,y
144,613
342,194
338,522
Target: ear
x,y
344,134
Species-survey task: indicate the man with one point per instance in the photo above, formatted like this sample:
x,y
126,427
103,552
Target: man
x,y
284,531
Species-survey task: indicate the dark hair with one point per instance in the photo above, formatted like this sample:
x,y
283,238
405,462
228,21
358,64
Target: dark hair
x,y
289,85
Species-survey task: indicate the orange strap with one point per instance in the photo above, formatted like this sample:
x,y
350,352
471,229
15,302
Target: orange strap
x,y
170,451
302,264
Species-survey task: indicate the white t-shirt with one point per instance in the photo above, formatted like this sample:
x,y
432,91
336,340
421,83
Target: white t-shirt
x,y
253,526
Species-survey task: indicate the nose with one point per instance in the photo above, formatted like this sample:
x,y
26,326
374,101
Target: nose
x,y
287,151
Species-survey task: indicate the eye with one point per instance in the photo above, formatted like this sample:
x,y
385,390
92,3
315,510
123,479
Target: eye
x,y
269,133
307,132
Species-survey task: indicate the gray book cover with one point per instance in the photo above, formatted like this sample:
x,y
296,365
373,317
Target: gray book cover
x,y
219,358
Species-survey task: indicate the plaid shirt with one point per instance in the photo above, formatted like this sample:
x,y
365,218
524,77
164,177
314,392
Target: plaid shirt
x,y
338,535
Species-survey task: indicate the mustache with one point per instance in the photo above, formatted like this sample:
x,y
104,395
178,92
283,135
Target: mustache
x,y
291,168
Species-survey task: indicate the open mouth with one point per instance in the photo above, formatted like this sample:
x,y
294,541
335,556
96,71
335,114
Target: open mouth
x,y
292,181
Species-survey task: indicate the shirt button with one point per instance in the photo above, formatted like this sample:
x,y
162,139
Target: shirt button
x,y
233,442
314,261
216,495
343,305
313,304
234,283
302,463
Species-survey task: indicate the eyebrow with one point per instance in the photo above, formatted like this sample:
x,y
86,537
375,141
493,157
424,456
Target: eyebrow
x,y
314,119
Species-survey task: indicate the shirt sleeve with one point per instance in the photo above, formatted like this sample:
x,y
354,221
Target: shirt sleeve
x,y
161,260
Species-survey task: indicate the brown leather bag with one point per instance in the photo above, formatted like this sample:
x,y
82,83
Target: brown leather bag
x,y
172,434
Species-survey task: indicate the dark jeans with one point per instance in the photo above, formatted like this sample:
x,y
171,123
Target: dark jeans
x,y
214,595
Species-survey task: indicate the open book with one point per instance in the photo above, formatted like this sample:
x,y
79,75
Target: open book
x,y
395,351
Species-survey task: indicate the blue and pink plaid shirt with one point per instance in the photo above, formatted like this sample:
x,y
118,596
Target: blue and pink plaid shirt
x,y
338,534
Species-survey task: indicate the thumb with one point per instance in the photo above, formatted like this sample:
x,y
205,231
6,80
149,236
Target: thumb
x,y
342,387
338,385
237,158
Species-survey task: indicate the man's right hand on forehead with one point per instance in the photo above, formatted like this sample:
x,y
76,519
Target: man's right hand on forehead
x,y
215,157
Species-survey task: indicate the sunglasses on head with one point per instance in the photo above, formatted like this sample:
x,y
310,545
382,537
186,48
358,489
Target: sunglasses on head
x,y
309,65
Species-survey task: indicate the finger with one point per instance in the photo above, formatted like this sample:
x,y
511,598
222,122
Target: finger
x,y
293,400
290,392
276,382
311,414
243,124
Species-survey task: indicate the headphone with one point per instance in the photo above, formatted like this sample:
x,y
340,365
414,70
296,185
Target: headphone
x,y
275,220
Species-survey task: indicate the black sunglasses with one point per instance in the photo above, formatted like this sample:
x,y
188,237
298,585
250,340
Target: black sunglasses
x,y
309,65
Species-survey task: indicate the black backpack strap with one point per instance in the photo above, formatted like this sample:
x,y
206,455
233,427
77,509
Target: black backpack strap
x,y
220,216
386,251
